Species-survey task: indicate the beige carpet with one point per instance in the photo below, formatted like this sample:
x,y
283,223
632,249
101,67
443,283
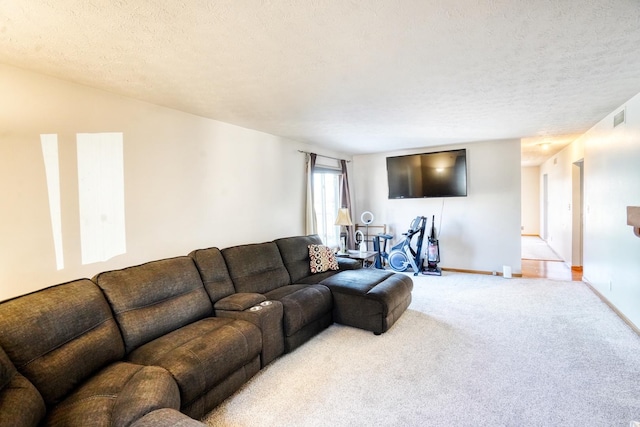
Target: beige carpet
x,y
533,247
471,350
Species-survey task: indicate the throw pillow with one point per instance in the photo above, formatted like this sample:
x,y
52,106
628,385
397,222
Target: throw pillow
x,y
322,259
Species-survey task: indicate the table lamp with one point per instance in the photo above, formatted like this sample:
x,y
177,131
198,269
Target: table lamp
x,y
343,220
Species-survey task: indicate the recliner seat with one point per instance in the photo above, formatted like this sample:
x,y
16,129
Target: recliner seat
x,y
165,315
258,268
65,341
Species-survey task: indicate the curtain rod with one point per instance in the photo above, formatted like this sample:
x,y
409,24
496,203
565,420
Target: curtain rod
x,y
326,157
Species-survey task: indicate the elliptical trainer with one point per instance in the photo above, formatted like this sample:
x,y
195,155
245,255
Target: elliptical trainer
x,y
402,255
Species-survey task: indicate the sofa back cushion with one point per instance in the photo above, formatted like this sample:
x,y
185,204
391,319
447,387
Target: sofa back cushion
x,y
295,255
155,298
214,273
60,336
256,267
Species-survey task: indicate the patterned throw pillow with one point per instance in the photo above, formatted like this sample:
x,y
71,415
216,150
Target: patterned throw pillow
x,y
322,259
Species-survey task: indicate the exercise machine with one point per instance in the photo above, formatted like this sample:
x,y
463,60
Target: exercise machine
x,y
380,247
403,255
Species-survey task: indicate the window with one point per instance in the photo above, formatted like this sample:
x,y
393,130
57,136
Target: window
x,y
326,197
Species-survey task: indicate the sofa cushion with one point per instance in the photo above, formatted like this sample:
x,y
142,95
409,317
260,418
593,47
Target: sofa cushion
x,y
369,299
321,259
314,279
295,255
118,395
256,267
303,304
214,273
202,354
60,336
153,299
20,402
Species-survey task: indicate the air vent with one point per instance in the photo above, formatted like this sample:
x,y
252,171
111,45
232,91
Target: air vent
x,y
618,118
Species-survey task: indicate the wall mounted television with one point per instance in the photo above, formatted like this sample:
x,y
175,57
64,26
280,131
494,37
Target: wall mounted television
x,y
438,174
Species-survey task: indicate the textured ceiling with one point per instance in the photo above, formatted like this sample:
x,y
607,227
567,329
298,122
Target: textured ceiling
x,y
352,76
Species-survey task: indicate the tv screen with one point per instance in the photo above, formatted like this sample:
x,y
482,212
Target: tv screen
x,y
440,174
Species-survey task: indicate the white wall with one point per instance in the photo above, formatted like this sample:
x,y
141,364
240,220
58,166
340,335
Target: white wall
x,y
611,176
190,182
612,182
480,232
530,185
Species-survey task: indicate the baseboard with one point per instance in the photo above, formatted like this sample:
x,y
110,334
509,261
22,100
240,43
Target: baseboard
x,y
605,300
488,273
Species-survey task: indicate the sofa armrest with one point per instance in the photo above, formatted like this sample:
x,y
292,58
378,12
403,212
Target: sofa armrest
x,y
167,418
239,302
267,316
348,263
20,403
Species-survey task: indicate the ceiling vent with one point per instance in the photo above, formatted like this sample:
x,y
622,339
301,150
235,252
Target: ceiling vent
x,y
618,119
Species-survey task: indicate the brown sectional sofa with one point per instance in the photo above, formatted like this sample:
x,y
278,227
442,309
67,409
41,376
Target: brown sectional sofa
x,y
163,343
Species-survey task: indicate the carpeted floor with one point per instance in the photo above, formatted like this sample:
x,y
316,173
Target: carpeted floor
x,y
471,350
533,247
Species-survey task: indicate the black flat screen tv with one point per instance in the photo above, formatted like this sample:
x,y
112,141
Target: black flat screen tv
x,y
439,174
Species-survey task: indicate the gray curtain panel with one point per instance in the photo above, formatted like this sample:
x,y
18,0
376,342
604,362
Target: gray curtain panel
x,y
345,202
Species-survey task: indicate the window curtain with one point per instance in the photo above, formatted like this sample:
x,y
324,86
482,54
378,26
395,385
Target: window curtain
x,y
311,222
345,202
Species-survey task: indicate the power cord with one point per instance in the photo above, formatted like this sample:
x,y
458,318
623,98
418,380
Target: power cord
x,y
440,225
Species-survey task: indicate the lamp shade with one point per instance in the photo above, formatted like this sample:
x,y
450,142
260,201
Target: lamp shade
x,y
343,217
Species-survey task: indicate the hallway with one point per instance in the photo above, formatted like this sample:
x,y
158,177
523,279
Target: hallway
x,y
555,270
540,261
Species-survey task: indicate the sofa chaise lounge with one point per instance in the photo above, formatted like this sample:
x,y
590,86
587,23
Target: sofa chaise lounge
x,y
165,342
